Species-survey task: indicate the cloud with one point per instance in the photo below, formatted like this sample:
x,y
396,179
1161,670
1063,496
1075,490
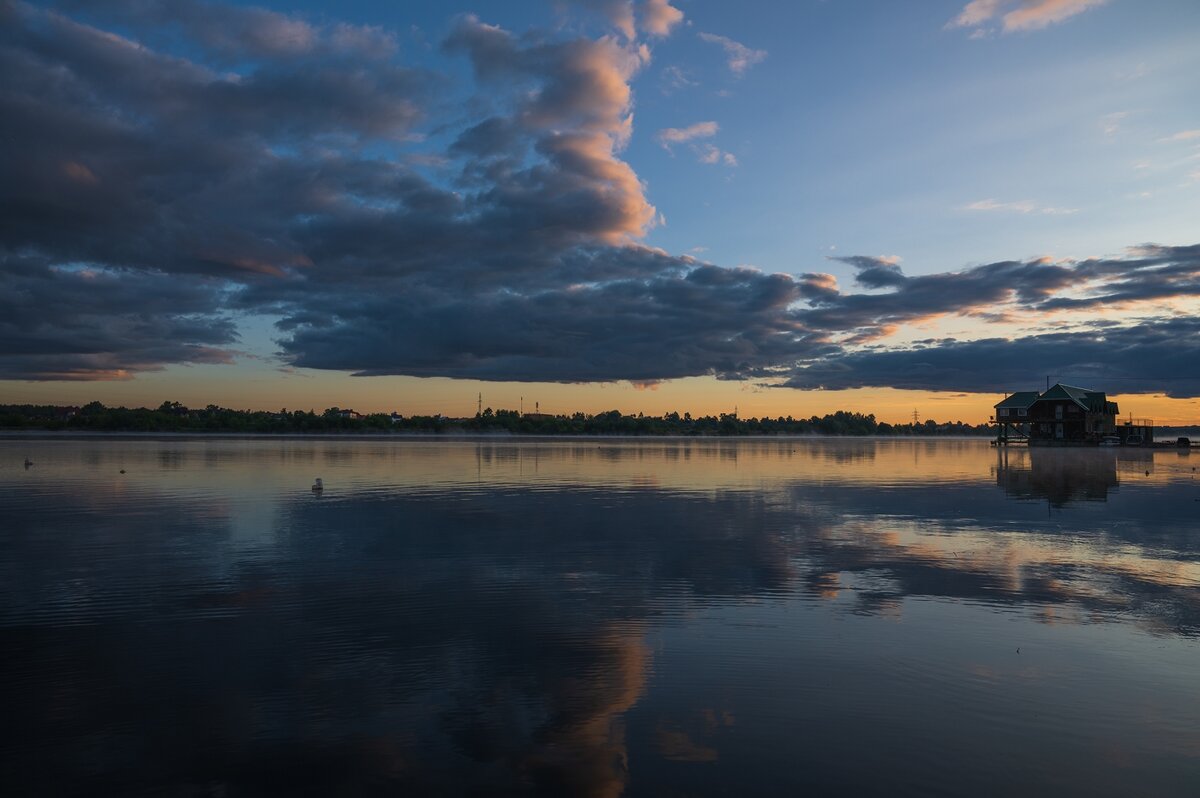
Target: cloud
x,y
677,135
1034,14
576,117
231,33
158,199
659,17
711,154
674,78
712,320
738,56
1101,349
243,193
1148,273
1019,206
1157,354
912,299
88,324
1183,135
881,271
135,159
653,17
619,13
705,152
1019,15
1111,123
977,12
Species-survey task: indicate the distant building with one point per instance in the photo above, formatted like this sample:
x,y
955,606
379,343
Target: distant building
x,y
1065,414
347,414
396,418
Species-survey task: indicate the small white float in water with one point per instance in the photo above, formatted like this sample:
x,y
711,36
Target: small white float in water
x,y
318,486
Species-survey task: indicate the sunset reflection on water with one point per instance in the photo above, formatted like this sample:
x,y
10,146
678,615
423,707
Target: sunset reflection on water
x,y
598,616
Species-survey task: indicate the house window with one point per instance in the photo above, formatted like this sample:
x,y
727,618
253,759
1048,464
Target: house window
x,y
1022,412
1058,411
1003,411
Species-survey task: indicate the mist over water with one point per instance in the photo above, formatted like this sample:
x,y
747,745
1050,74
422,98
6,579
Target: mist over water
x,y
597,617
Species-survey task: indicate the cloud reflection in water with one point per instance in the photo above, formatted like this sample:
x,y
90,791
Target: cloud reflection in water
x,y
509,616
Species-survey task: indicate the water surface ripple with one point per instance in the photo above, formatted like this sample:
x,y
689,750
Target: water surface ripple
x,y
602,617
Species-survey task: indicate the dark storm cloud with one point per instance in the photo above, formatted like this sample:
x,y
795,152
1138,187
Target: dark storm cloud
x,y
158,167
269,172
84,324
915,298
236,33
708,320
1151,272
874,272
1152,355
1147,272
133,158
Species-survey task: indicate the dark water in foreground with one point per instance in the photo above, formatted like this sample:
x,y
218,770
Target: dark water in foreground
x,y
597,617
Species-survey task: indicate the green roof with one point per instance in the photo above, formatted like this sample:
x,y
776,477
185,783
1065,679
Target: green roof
x,y
1060,391
1021,399
1092,401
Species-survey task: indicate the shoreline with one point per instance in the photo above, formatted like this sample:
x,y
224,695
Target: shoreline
x,y
1166,443
17,434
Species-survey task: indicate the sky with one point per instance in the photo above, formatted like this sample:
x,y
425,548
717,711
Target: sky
x,y
648,205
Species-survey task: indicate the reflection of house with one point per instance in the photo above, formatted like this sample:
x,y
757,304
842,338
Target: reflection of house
x,y
1064,414
1059,477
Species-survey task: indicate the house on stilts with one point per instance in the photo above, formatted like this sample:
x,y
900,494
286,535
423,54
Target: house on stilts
x,y
1067,416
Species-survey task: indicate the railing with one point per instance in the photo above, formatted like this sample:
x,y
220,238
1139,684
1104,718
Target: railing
x,y
1135,422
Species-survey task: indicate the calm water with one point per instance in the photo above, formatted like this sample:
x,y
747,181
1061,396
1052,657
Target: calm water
x,y
597,617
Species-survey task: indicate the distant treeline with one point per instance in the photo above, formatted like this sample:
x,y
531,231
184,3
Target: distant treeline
x,y
174,417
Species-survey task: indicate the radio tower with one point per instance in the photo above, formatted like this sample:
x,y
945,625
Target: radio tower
x,y
916,417
479,405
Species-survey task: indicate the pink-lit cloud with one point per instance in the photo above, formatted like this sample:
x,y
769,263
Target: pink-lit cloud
x,y
677,135
1035,14
1019,15
705,152
653,17
659,17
